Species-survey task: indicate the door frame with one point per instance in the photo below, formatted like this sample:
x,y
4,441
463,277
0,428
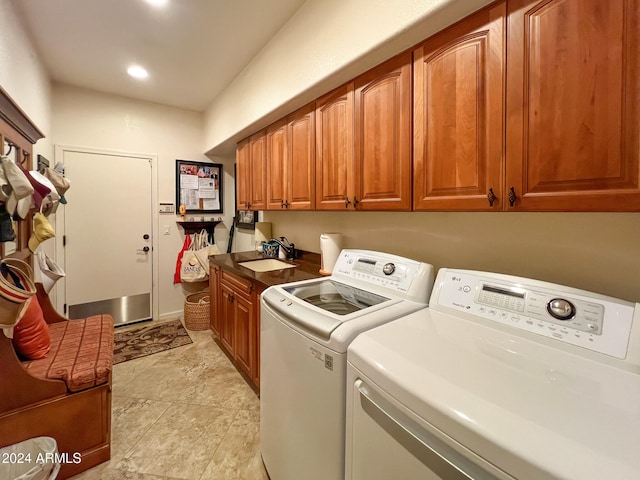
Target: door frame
x,y
59,251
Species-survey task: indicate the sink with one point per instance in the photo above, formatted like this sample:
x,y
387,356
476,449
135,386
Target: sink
x,y
266,265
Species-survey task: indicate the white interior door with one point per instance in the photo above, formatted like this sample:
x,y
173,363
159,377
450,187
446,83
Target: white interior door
x,y
108,236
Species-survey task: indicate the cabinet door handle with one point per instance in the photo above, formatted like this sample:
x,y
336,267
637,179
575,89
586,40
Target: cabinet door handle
x,y
282,204
248,205
512,197
491,197
355,202
346,202
286,204
231,298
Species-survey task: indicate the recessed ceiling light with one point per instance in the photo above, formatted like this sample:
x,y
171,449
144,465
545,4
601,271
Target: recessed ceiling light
x,y
158,3
137,71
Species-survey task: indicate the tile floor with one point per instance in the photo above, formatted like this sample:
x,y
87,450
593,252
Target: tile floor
x,y
182,414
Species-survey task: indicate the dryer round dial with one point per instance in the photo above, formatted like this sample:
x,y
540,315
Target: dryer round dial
x,y
561,309
388,268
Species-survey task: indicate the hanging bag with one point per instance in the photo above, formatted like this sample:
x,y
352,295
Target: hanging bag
x,y
185,247
50,270
206,249
191,269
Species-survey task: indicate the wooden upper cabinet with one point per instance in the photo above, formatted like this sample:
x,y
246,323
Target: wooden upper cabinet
x,y
334,148
277,165
382,161
573,100
243,175
301,150
458,115
258,171
290,161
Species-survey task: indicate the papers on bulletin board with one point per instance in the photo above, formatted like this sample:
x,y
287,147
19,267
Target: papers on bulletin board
x,y
188,182
206,188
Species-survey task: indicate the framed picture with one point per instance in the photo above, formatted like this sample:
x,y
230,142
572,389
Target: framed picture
x,y
246,219
199,186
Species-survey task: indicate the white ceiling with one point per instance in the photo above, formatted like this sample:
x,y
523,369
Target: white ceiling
x,y
192,48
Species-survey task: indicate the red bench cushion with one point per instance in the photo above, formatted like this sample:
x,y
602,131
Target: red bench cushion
x,y
81,353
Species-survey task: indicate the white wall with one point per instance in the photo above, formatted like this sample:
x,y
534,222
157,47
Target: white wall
x,y
23,76
84,118
326,43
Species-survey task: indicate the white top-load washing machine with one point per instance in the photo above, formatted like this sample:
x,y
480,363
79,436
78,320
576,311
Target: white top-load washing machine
x,y
501,377
305,330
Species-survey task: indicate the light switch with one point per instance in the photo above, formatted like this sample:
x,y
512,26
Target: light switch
x,y
166,230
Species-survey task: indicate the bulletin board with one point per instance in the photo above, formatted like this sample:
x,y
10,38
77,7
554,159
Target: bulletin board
x,y
199,186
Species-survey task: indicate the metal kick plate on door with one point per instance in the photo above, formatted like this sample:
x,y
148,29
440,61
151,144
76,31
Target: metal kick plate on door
x,y
132,308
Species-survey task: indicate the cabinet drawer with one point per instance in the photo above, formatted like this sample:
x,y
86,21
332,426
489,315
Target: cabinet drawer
x,y
238,284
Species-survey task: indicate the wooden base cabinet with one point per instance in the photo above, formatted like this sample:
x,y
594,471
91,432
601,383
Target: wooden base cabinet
x,y
236,322
214,294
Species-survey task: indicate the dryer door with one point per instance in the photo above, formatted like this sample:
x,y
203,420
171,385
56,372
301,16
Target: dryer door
x,y
386,440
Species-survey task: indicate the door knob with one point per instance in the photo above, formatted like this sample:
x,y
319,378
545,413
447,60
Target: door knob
x,y
146,236
143,250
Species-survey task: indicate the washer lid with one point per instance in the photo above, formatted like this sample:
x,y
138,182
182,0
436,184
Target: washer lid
x,y
321,306
335,297
532,410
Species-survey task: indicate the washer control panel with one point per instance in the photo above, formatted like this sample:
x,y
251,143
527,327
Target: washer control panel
x,y
589,320
380,269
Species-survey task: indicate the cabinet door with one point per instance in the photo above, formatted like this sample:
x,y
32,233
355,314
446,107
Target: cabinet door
x,y
334,149
573,105
301,153
276,165
227,321
382,173
243,172
214,291
258,162
244,340
458,115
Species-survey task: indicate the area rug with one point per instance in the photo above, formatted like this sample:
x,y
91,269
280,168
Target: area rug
x,y
148,340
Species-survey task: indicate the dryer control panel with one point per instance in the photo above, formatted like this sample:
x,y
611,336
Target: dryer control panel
x,y
589,320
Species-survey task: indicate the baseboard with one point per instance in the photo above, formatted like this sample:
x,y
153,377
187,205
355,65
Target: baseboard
x,y
171,315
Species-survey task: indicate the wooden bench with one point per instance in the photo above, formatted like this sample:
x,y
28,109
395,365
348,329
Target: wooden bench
x,y
66,395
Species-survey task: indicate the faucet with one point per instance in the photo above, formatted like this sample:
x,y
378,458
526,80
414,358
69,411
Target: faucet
x,y
288,247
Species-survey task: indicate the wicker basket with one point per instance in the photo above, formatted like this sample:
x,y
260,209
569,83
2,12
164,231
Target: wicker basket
x,y
196,311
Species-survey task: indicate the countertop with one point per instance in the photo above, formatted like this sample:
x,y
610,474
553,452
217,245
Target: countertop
x,y
307,267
